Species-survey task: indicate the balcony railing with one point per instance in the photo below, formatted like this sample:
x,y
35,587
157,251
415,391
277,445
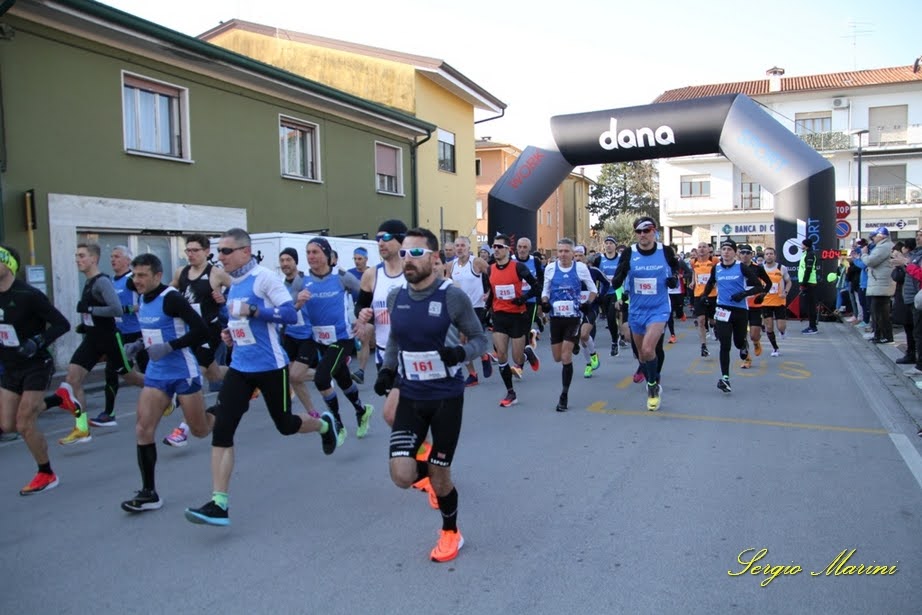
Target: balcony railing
x,y
826,141
887,195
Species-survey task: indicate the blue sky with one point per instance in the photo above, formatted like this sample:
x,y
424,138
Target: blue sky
x,y
543,58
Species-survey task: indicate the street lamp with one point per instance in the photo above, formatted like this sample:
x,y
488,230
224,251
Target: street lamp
x,y
860,134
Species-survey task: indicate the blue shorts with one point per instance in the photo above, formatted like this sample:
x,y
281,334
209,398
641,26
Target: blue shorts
x,y
180,386
639,321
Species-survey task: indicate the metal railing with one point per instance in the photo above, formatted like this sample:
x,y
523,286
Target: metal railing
x,y
827,141
887,195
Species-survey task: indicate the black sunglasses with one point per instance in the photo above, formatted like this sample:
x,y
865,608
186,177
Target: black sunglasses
x,y
229,251
389,236
641,231
499,246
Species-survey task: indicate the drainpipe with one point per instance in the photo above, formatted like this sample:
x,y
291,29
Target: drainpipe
x,y
490,119
5,6
413,181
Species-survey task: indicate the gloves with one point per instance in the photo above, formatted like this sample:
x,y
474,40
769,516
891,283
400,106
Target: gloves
x,y
82,308
132,349
759,298
737,296
707,301
385,381
520,300
451,355
158,351
672,282
80,329
545,307
29,347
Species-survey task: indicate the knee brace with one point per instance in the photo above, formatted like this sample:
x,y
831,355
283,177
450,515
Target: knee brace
x,y
322,379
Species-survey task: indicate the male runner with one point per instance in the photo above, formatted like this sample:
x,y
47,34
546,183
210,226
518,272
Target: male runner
x,y
426,318
295,337
170,329
523,255
774,305
471,274
28,324
607,262
377,283
651,269
564,279
703,310
360,258
754,302
258,303
587,328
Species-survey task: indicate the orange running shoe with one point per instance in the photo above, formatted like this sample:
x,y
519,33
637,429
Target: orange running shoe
x,y
69,400
747,363
672,339
446,549
424,484
758,348
41,482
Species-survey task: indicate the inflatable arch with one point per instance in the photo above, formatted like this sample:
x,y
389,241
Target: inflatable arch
x,y
802,181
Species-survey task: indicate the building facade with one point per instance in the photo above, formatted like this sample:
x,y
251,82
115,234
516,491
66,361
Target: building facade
x,y
867,123
427,88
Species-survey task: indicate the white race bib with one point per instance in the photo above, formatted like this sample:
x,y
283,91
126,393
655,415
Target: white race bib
x,y
423,365
722,314
505,291
644,286
583,296
151,337
87,319
8,336
325,335
703,278
241,333
525,287
774,289
564,308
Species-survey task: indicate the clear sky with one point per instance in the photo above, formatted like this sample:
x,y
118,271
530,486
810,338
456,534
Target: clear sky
x,y
544,58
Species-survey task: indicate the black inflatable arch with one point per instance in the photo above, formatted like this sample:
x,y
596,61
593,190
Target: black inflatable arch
x,y
802,181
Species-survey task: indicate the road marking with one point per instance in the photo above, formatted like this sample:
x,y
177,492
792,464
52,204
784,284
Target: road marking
x,y
599,407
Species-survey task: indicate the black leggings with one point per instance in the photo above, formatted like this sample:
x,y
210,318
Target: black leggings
x,y
735,327
234,401
334,364
610,309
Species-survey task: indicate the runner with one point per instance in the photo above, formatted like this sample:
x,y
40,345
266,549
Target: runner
x,y
703,310
774,308
360,258
171,328
471,274
295,337
651,269
564,280
607,261
523,255
734,283
587,328
258,302
510,320
677,300
28,325
377,283
424,342
754,302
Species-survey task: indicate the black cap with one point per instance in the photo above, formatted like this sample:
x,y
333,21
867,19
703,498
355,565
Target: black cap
x,y
324,247
290,252
644,223
728,243
744,247
807,242
394,227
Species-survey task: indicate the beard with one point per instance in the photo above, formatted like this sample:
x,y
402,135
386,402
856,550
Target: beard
x,y
415,274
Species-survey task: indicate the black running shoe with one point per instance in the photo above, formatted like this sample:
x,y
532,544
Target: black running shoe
x,y
614,350
145,499
209,514
724,385
562,403
329,438
704,351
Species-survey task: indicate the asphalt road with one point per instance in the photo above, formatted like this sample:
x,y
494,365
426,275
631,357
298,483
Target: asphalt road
x,y
605,509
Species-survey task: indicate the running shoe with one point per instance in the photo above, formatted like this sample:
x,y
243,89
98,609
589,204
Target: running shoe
x,y
758,348
359,376
639,375
654,396
781,334
471,380
104,420
209,514
614,350
684,318
446,549
704,351
532,358
328,439
255,394
587,373
672,339
362,430
341,432
8,436
516,371
576,348
145,499
424,484
69,400
562,403
178,438
724,384
422,453
171,406
509,400
623,343
746,364
594,360
487,365
776,353
40,482
810,331
77,436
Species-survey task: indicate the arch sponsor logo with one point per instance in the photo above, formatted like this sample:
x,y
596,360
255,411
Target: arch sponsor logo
x,y
641,137
805,228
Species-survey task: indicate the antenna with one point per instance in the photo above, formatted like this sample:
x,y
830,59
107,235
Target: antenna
x,y
858,28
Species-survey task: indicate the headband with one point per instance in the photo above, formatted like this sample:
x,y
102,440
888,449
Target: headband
x,y
360,251
9,260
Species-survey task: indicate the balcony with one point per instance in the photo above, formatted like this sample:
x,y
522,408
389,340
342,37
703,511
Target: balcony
x,y
887,195
827,141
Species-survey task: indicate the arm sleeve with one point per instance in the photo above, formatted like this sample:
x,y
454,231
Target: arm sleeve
x,y
390,351
766,281
539,273
671,259
621,272
548,276
104,291
524,273
57,323
754,278
601,282
582,272
176,306
464,318
712,280
350,282
279,306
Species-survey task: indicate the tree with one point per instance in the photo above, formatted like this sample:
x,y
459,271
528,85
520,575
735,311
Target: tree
x,y
621,227
625,187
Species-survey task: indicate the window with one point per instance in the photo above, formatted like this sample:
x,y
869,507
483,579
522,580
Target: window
x,y
812,123
298,149
388,169
478,167
695,186
155,115
479,207
446,151
886,184
888,125
750,193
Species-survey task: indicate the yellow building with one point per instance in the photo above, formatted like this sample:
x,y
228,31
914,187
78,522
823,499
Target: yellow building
x,y
426,87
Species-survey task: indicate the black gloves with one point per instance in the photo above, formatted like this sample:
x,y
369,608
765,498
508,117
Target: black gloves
x,y
82,308
29,347
545,307
738,296
759,298
385,381
707,301
672,282
520,300
451,355
80,329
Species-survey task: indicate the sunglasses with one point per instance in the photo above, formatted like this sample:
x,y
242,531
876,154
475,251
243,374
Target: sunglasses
x,y
229,251
499,246
643,231
745,251
414,252
194,250
388,236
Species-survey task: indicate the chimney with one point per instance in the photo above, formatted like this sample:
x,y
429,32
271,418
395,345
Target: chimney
x,y
774,78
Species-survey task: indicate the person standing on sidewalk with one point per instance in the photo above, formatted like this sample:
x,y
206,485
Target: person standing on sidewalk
x,y
911,286
28,324
806,277
881,286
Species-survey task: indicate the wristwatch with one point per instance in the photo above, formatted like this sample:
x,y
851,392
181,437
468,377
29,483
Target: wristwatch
x,y
253,310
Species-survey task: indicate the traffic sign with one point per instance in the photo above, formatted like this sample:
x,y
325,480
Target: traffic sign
x,y
843,229
842,210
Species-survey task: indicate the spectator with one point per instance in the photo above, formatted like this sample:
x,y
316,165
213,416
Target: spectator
x,y
881,286
912,260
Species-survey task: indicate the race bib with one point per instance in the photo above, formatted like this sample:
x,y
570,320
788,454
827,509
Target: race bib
x,y
774,289
423,365
87,319
325,335
583,296
505,291
722,314
8,336
703,278
564,308
241,333
645,286
151,337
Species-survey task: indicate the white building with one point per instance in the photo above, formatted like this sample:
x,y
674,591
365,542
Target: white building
x,y
705,197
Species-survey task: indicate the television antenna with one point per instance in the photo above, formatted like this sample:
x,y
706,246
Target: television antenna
x,y
858,29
